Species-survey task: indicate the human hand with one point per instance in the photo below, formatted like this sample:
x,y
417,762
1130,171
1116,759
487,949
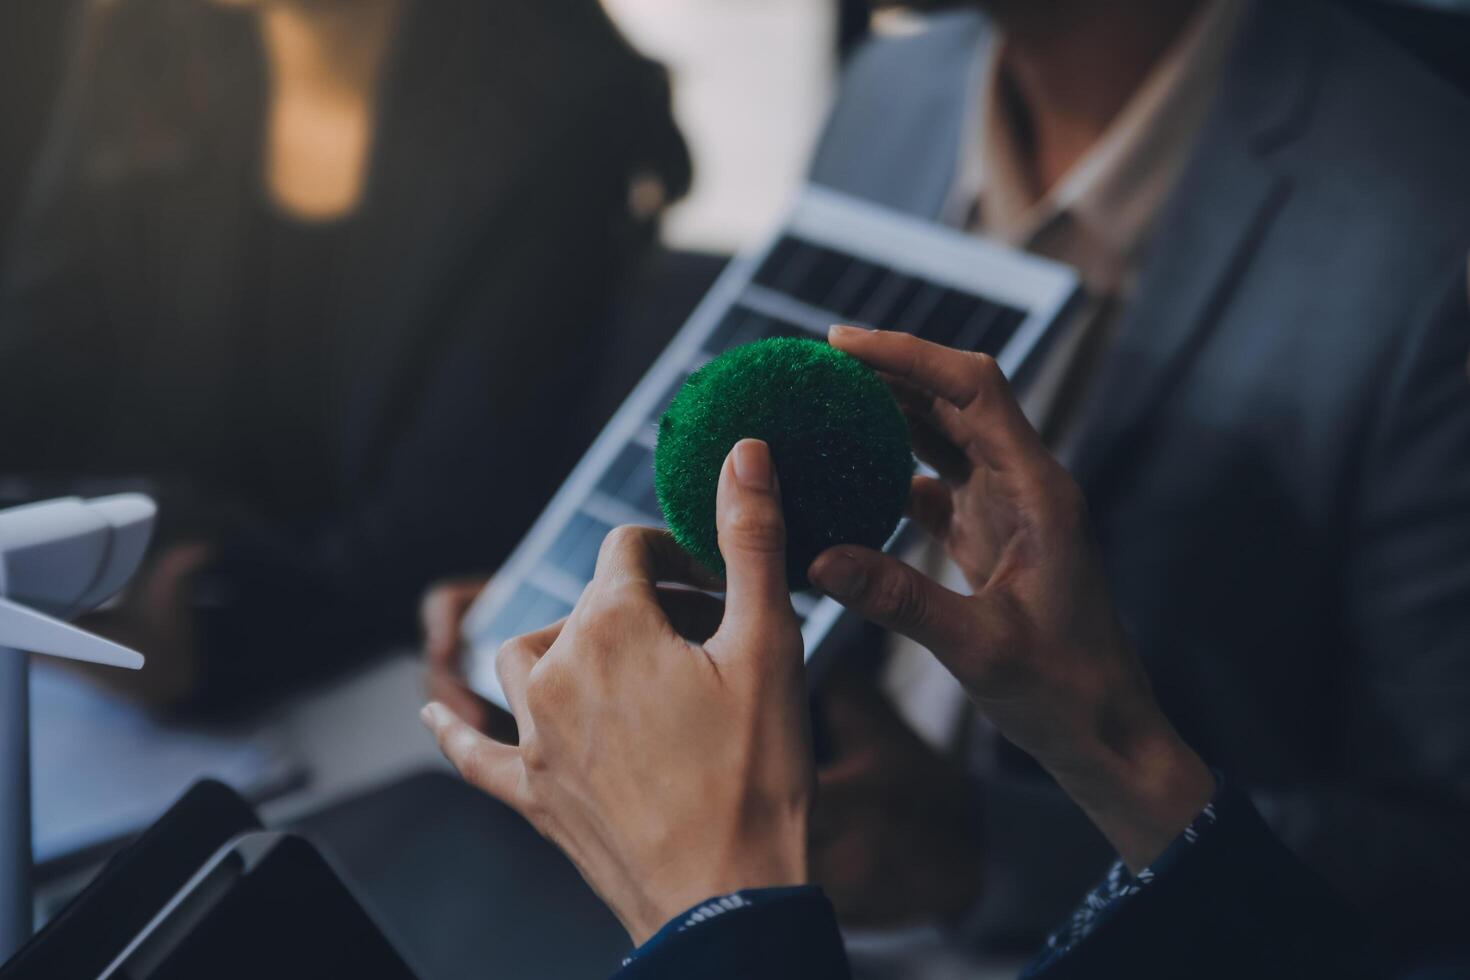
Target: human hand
x,y
669,770
154,618
1038,646
441,613
895,836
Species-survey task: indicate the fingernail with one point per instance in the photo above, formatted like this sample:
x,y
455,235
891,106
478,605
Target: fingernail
x,y
434,715
846,330
840,575
753,465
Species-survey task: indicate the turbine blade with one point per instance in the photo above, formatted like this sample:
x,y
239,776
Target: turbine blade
x,y
25,629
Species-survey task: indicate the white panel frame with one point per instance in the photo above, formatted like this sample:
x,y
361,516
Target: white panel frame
x,y
903,243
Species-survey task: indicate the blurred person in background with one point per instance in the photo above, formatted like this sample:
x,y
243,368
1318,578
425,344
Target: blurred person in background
x,y
322,273
1264,399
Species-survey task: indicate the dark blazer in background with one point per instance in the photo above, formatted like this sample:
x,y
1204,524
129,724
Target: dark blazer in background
x,y
33,44
1276,454
494,232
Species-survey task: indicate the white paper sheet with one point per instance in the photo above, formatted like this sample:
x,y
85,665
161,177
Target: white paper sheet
x,y
102,769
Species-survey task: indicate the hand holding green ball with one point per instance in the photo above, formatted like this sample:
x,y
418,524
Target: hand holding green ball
x,y
839,442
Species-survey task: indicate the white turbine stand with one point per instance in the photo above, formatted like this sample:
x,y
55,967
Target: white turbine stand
x,y
58,560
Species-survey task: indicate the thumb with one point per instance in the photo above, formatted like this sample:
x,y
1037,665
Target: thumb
x,y
752,537
888,592
166,582
182,560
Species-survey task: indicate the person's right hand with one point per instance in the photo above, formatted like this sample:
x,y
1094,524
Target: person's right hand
x,y
442,612
1037,646
665,736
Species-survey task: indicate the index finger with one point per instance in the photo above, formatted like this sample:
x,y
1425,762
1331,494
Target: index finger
x,y
514,662
487,764
972,383
642,557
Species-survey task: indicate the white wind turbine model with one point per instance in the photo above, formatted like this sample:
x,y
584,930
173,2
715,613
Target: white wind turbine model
x,y
58,559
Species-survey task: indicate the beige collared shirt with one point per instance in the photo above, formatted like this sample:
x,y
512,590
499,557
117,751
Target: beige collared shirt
x,y
1098,219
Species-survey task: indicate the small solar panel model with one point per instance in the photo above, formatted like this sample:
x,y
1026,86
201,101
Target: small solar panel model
x,y
835,260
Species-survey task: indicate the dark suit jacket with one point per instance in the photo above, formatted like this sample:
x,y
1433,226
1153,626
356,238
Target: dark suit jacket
x,y
1236,905
1277,452
494,232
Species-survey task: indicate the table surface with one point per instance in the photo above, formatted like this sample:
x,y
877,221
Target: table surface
x,y
365,732
362,733
358,733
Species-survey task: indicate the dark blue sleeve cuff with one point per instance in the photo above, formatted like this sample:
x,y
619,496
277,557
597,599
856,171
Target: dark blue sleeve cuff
x,y
774,933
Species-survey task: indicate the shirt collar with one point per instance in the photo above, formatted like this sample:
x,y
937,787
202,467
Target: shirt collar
x,y
1113,193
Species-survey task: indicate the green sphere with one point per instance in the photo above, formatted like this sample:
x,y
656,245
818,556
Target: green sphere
x,y
839,442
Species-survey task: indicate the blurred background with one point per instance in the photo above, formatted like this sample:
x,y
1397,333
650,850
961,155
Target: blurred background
x,y
752,83
311,278
139,203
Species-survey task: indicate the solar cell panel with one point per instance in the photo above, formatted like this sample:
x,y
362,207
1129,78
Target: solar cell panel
x,y
836,260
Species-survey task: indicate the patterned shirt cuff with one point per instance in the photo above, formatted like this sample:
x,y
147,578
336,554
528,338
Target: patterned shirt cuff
x,y
1119,885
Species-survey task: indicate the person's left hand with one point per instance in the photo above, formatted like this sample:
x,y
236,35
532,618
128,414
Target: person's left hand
x,y
895,829
154,618
1037,644
669,770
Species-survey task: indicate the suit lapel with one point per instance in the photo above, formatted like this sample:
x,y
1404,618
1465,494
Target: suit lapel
x,y
195,306
1225,202
434,189
403,268
1206,249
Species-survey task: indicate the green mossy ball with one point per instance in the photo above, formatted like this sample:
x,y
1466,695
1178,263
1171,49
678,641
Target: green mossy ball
x,y
837,437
